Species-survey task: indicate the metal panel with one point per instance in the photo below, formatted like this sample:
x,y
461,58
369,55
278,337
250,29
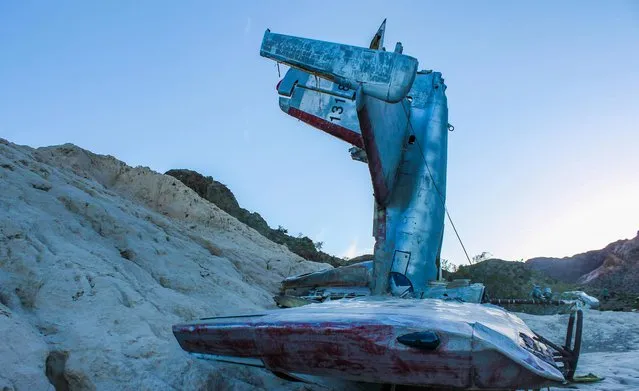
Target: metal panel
x,y
401,259
415,211
322,104
356,339
385,132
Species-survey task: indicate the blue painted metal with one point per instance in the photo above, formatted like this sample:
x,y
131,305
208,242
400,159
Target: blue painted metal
x,y
322,104
415,211
384,75
379,102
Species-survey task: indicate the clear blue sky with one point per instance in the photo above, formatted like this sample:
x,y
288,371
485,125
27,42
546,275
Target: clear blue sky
x,y
544,96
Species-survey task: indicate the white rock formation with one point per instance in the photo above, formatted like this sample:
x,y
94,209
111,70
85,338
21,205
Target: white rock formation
x,y
98,260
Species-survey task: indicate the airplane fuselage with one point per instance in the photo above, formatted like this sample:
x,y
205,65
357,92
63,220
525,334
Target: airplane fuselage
x,y
409,229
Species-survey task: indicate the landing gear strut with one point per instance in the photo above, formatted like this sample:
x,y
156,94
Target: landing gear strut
x,y
568,355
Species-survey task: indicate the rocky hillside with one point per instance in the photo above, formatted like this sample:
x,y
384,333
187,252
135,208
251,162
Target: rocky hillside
x,y
611,274
505,279
615,267
99,259
220,195
568,269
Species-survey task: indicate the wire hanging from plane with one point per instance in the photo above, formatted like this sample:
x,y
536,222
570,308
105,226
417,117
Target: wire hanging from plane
x,y
430,174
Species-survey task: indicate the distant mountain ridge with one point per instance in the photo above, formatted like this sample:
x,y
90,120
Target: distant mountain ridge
x,y
611,274
568,269
614,267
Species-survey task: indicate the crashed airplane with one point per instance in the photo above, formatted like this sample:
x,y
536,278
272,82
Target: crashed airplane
x,y
397,323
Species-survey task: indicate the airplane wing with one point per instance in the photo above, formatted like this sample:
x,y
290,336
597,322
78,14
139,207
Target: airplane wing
x,y
384,75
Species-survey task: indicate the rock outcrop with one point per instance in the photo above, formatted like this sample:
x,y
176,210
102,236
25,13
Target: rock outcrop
x,y
99,259
220,195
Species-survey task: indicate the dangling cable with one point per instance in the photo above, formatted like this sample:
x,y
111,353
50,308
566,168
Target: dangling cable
x,y
430,174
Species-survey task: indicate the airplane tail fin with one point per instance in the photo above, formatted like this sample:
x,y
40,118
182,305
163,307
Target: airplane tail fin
x,y
377,42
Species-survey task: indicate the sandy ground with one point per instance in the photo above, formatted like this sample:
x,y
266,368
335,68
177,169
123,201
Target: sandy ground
x,y
610,346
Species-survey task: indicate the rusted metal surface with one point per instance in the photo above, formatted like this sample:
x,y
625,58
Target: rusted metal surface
x,y
330,284
568,354
479,346
335,130
358,274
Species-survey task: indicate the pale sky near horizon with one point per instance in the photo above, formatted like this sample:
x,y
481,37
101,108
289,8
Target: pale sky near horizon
x,y
544,96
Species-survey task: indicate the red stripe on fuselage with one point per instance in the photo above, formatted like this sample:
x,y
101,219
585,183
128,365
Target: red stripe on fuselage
x,y
340,132
374,162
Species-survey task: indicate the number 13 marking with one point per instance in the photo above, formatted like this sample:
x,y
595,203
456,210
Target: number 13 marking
x,y
337,109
